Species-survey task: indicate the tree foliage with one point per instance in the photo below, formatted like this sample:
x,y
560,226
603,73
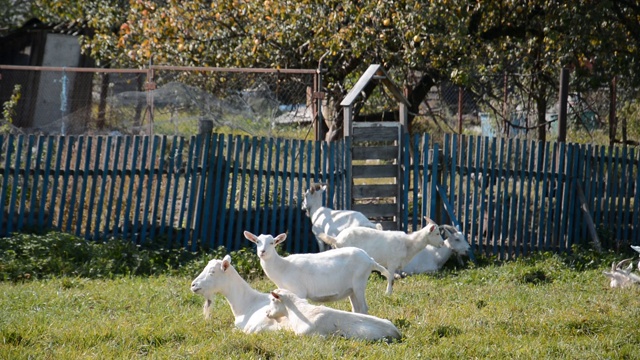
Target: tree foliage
x,y
467,42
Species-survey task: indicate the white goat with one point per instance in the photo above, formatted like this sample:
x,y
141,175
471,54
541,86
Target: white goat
x,y
248,305
306,319
327,276
622,277
431,258
391,249
325,220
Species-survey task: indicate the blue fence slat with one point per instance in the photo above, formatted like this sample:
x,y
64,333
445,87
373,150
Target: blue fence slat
x,y
85,179
156,208
45,184
103,186
620,195
35,188
225,171
628,196
94,182
259,200
25,181
14,188
8,143
243,224
127,228
147,212
234,161
267,188
205,189
192,186
468,199
292,171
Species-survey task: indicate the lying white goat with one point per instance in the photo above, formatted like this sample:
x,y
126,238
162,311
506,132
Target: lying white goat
x,y
306,319
327,276
391,249
248,305
432,259
325,220
622,277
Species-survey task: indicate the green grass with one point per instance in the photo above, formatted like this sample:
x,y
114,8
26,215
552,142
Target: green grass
x,y
530,309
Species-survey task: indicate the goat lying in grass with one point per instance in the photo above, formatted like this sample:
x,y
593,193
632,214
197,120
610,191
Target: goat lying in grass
x,y
432,259
306,319
391,249
622,277
248,305
325,220
327,276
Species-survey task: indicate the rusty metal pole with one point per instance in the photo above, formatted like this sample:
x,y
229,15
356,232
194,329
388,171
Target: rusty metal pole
x,y
460,97
562,113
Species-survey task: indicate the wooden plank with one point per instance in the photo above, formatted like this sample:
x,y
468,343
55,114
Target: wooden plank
x,y
83,192
226,158
141,185
147,212
94,183
203,215
25,182
403,182
375,132
177,159
385,152
35,190
300,181
158,183
374,191
234,161
45,183
374,171
74,184
376,210
112,185
364,79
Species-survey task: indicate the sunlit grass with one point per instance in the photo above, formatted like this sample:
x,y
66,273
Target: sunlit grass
x,y
516,310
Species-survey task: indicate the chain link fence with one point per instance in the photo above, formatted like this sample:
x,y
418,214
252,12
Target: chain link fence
x,y
159,100
187,100
505,106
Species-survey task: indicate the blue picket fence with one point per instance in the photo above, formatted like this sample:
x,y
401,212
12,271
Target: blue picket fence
x,y
509,196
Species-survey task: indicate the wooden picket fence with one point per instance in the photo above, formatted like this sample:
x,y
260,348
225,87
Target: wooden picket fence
x,y
509,196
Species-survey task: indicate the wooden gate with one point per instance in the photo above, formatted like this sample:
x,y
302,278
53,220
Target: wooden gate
x,y
374,163
376,172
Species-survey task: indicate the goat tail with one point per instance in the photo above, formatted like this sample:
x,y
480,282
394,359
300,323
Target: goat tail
x,y
383,270
331,241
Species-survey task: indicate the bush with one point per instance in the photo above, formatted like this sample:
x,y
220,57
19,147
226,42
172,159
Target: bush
x,y
53,254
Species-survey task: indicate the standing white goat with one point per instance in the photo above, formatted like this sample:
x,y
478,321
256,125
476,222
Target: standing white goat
x,y
391,249
327,276
248,305
431,258
306,319
325,220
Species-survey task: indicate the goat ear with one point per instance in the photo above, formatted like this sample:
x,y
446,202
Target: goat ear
x,y
429,221
280,238
275,295
226,262
251,237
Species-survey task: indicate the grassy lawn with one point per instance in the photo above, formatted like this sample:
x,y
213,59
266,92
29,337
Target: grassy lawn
x,y
521,309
